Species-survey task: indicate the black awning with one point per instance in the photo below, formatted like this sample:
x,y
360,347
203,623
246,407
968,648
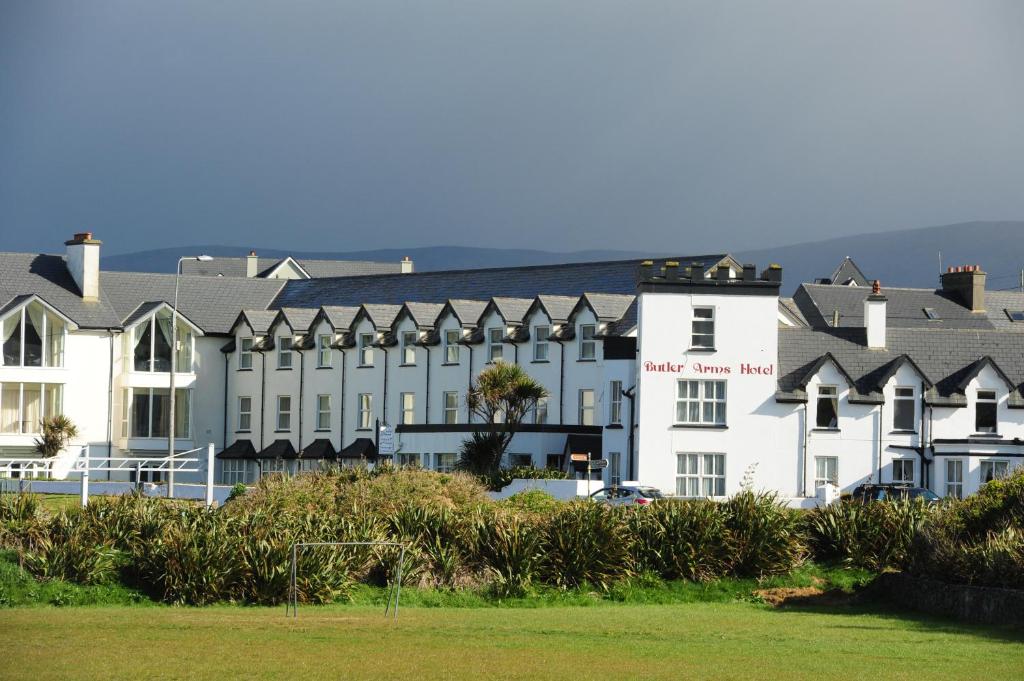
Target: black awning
x,y
579,443
320,449
239,449
361,448
279,449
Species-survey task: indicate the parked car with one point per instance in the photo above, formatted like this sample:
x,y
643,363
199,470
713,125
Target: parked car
x,y
624,495
890,492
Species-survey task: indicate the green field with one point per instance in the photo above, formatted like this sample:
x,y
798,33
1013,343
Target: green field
x,y
691,641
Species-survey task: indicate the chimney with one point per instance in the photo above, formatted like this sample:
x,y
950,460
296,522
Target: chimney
x,y
83,262
252,264
874,317
407,265
749,272
967,284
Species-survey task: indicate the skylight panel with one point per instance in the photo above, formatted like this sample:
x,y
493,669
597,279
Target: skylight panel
x,y
1015,315
931,314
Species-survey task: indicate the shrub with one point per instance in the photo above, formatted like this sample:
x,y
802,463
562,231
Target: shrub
x,y
389,492
682,540
21,524
510,548
69,551
587,543
237,490
873,536
765,535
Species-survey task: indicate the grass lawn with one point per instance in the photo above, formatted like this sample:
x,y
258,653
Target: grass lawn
x,y
688,641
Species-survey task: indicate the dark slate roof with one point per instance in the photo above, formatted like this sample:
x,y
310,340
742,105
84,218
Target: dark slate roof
x,y
340,317
279,449
298,318
945,356
904,307
792,311
237,267
512,310
239,449
258,320
213,303
467,311
558,308
382,316
998,303
423,315
609,306
848,273
574,279
23,274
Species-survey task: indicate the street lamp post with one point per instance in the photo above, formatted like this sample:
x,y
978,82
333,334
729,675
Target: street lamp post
x,y
174,368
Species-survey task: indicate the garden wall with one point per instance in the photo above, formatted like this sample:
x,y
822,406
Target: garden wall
x,y
985,605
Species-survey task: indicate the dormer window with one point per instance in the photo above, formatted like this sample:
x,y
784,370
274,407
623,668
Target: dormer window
x,y
588,346
408,347
495,349
703,328
827,415
33,337
366,349
903,410
323,353
451,346
540,343
245,354
284,352
151,345
985,412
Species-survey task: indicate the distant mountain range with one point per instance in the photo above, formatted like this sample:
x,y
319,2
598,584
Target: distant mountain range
x,y
898,258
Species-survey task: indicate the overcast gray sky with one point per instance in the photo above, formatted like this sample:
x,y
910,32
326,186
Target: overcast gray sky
x,y
676,126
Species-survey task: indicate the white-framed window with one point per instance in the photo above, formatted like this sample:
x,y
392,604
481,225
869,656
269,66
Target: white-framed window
x,y
985,412
994,469
365,411
323,351
150,411
408,347
244,414
588,346
955,478
451,346
700,402
284,352
32,336
586,407
284,412
408,408
540,343
615,402
244,354
323,412
451,407
366,349
827,407
23,406
233,471
826,469
150,345
904,409
903,471
702,329
445,462
271,466
495,348
540,411
614,468
700,474
407,459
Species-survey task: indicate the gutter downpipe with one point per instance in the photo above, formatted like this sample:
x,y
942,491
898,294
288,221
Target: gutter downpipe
x,y
385,410
341,411
227,362
631,396
426,394
263,401
469,385
110,404
920,442
803,479
302,376
881,424
561,381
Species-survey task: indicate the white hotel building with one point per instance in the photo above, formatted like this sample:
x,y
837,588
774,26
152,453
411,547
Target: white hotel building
x,y
687,374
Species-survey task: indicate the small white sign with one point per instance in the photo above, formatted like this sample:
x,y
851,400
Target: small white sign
x,y
386,441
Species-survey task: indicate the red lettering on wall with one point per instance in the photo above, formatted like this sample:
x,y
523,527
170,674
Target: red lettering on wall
x,y
663,367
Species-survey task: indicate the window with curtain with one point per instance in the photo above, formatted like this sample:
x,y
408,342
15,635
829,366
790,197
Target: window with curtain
x,y
150,412
10,407
162,342
183,360
12,339
33,334
23,406
55,330
143,352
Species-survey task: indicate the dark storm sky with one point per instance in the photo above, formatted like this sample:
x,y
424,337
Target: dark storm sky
x,y
638,125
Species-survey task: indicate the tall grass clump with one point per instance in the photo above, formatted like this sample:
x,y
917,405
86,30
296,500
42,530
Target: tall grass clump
x,y
509,548
766,538
682,540
873,536
587,543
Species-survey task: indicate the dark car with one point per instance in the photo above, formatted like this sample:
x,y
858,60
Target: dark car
x,y
884,492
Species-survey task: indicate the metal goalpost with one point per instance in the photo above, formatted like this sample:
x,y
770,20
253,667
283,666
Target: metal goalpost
x,y
395,586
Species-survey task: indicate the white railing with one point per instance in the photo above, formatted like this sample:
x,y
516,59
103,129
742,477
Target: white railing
x,y
83,464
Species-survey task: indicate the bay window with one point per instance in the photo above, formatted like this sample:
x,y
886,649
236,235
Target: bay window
x,y
23,406
148,412
700,403
150,345
33,337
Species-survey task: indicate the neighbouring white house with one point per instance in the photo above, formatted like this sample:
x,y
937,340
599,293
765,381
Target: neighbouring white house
x,y
688,374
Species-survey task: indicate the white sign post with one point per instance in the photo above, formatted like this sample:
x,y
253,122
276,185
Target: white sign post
x,y
386,441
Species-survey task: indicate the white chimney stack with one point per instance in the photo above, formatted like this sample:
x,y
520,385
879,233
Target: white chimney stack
x,y
252,265
83,262
406,265
874,317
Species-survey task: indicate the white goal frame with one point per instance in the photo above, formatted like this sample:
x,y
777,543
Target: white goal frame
x,y
395,587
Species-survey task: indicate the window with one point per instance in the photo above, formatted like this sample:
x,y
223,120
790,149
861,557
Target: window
x,y
903,410
284,352
451,346
827,415
903,471
520,460
700,475
270,466
955,478
555,462
540,411
323,412
703,328
994,469
451,407
614,468
33,337
588,346
366,349
323,354
826,470
365,411
284,412
586,415
407,459
150,342
931,314
233,472
245,353
408,347
540,343
23,406
985,412
444,463
150,411
408,408
615,403
700,402
495,349
244,414
1015,315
